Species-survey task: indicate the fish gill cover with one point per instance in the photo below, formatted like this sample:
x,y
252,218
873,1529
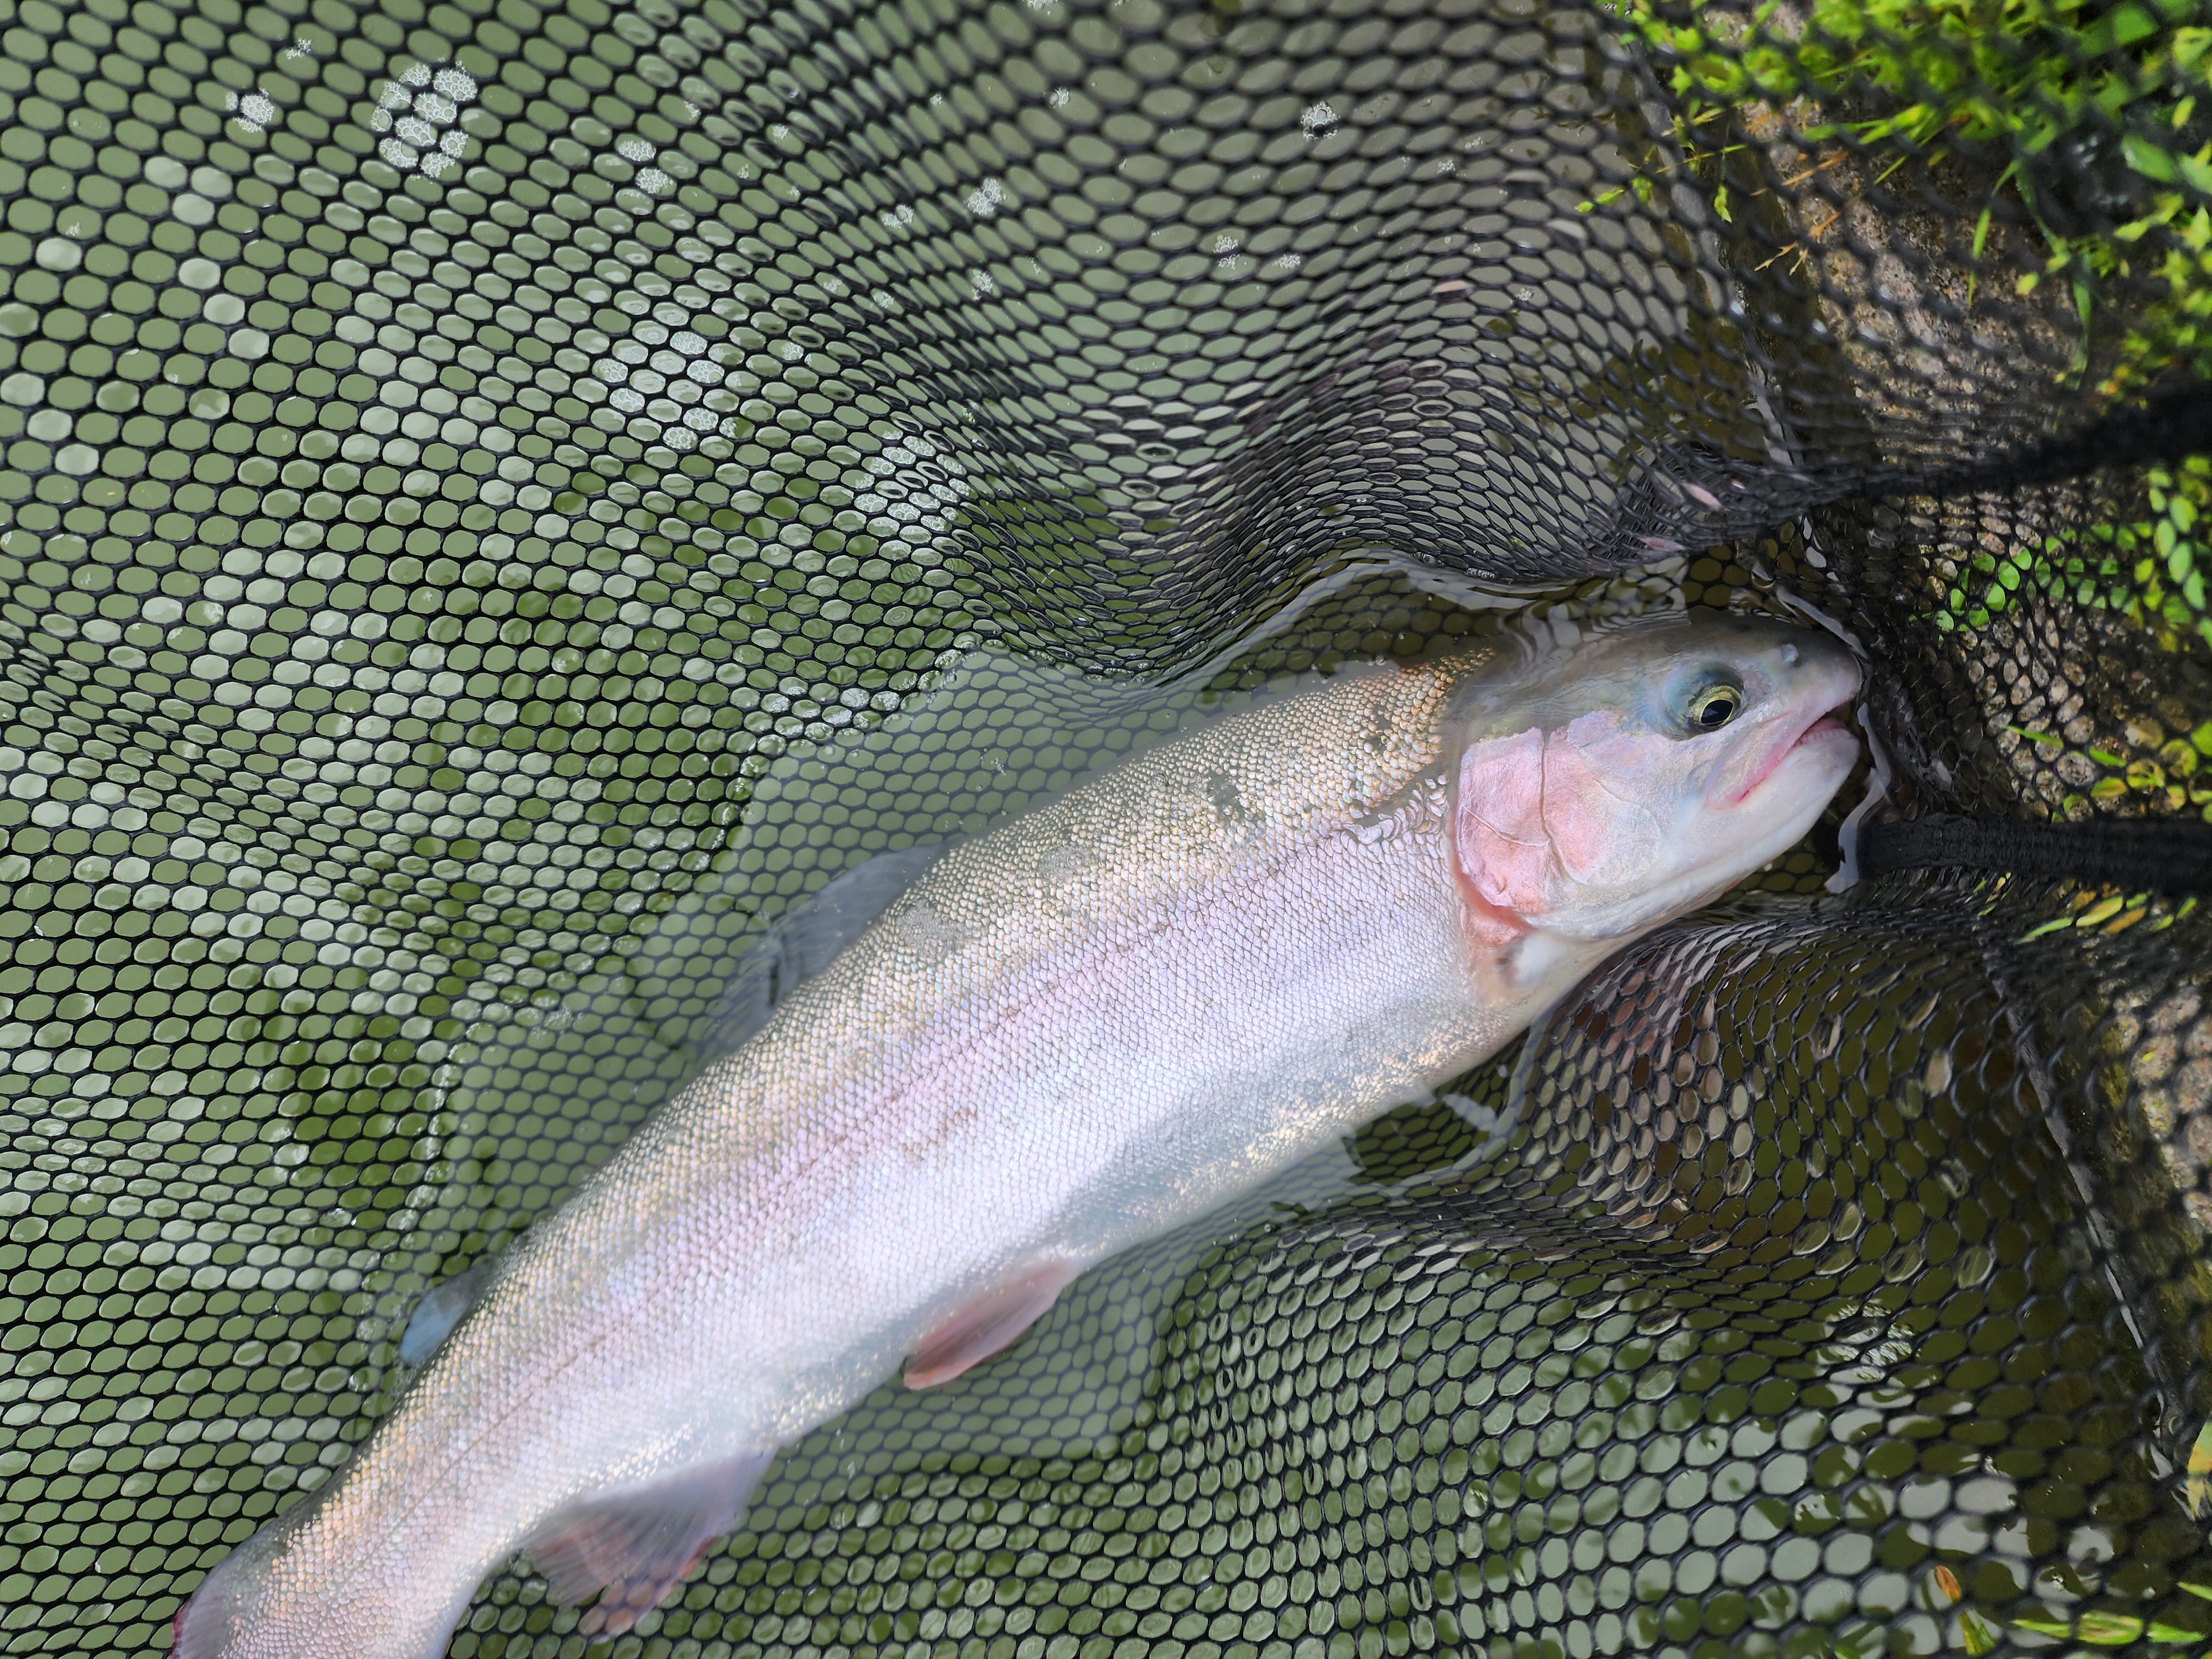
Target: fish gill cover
x,y
501,501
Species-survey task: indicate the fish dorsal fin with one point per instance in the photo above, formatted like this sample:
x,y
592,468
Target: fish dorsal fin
x,y
442,1307
635,1547
808,940
992,1323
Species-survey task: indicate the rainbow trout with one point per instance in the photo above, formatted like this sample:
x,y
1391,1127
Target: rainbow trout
x,y
1106,1019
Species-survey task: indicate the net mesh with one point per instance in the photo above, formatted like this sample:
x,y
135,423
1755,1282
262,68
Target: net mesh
x,y
499,505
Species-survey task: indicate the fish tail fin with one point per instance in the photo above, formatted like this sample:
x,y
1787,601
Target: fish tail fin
x,y
634,1547
224,1618
261,1602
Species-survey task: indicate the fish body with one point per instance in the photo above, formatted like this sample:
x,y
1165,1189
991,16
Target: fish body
x,y
1105,1018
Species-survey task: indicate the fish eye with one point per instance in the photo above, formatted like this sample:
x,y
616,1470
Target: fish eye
x,y
1712,706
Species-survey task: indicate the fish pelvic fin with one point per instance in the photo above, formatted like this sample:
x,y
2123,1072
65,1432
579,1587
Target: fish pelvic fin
x,y
632,1548
992,1323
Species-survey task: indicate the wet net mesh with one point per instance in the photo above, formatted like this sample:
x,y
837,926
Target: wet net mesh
x,y
499,503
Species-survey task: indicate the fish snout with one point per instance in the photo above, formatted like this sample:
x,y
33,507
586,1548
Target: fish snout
x,y
1809,746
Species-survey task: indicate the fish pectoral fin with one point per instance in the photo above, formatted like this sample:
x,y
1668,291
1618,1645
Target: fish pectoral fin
x,y
637,1546
993,1321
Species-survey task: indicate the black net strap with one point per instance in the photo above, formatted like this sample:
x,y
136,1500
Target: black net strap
x,y
2143,856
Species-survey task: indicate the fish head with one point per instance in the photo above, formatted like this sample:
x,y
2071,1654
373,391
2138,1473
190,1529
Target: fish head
x,y
1605,787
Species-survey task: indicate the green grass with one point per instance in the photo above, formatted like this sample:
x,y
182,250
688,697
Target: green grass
x,y
2033,83
2028,79
2152,569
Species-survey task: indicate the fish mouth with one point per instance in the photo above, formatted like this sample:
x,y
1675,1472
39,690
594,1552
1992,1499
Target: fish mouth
x,y
1823,725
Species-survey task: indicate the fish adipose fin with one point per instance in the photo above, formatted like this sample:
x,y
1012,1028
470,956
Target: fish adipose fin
x,y
636,1546
993,1322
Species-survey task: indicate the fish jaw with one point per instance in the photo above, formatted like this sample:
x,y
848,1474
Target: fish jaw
x,y
1812,737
